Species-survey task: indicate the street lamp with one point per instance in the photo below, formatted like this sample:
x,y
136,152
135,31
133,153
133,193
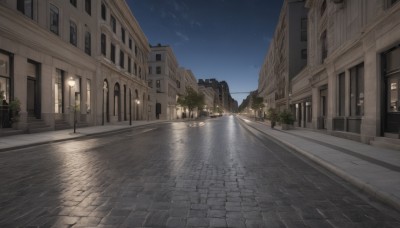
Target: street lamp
x,y
137,101
71,83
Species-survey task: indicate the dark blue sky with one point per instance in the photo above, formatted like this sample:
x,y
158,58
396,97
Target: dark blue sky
x,y
222,39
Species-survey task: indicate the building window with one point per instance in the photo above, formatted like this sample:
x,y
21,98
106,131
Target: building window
x,y
103,12
130,43
123,35
357,90
88,48
88,96
121,59
113,23
158,70
158,57
150,70
150,83
73,2
303,53
103,44
59,92
116,99
136,50
324,46
129,64
140,72
5,77
72,33
158,84
88,6
303,29
341,94
178,84
25,7
113,53
135,68
392,2
323,8
54,19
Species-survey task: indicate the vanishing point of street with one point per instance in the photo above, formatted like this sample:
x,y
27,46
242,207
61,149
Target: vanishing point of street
x,y
212,173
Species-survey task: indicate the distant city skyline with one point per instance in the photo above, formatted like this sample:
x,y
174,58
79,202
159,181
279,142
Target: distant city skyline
x,y
221,39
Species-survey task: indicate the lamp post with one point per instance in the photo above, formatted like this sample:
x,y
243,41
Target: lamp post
x,y
71,83
137,101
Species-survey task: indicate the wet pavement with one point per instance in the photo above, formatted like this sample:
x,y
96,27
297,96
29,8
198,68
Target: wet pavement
x,y
214,173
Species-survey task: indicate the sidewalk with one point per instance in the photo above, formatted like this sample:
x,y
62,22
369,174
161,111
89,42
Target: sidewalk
x,y
372,169
24,140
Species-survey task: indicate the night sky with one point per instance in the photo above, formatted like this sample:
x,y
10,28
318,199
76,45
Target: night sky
x,y
222,39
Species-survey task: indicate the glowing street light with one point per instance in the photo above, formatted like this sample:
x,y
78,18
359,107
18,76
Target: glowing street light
x,y
71,83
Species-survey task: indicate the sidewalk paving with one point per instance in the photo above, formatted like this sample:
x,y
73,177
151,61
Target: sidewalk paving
x,y
374,170
24,140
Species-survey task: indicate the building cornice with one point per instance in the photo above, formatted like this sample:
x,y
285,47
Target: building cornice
x,y
42,40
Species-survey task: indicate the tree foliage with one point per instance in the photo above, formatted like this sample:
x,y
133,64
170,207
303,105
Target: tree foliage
x,y
257,103
191,99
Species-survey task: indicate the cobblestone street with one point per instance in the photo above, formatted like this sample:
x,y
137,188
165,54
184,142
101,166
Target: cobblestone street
x,y
216,174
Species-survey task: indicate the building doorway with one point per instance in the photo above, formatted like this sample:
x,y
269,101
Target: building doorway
x,y
33,90
391,91
323,107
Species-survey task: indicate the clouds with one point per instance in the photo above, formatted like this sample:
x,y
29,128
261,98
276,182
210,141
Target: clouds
x,y
182,36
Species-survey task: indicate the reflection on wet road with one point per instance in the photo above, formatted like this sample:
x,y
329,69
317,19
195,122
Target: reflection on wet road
x,y
212,173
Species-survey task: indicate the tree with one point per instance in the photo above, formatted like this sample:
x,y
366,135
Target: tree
x,y
257,103
191,100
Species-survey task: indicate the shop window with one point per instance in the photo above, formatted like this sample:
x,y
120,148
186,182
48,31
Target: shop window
x,y
59,92
5,78
357,90
88,95
341,94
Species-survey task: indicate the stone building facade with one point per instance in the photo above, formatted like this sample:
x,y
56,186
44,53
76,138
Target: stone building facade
x,y
287,55
165,81
350,85
56,58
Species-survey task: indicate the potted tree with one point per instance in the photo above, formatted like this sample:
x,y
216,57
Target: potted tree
x,y
272,115
286,119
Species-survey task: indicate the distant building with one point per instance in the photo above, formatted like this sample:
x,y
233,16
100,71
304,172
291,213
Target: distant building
x,y
165,81
223,98
287,55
